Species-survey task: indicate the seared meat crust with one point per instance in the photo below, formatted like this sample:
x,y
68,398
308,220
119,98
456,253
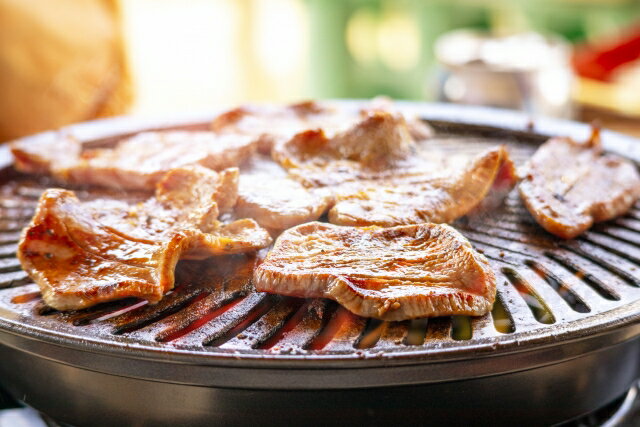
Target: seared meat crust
x,y
388,273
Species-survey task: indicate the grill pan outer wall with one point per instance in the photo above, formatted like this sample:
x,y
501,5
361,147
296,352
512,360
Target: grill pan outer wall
x,y
538,396
571,378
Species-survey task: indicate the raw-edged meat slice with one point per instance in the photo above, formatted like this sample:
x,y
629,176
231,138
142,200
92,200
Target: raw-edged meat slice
x,y
134,163
437,197
567,186
84,253
396,273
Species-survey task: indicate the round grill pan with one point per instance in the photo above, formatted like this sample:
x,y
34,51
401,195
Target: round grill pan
x,y
562,339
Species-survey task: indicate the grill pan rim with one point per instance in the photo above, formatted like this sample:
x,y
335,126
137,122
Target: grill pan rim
x,y
487,119
296,376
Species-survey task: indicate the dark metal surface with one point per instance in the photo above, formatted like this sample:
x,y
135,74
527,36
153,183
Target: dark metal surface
x,y
562,339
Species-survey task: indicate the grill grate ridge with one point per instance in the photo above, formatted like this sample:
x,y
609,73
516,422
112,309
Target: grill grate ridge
x,y
266,327
604,260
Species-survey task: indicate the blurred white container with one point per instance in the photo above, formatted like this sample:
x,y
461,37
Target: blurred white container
x,y
526,71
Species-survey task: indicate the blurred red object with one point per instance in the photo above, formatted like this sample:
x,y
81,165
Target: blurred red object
x,y
600,62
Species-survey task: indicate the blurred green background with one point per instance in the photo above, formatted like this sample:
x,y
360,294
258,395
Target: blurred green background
x,y
349,59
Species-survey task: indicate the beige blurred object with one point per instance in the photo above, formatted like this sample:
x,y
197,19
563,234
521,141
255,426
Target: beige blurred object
x,y
526,71
61,62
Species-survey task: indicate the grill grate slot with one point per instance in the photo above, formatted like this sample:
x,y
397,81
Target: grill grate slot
x,y
316,315
502,321
535,302
148,314
193,317
512,239
370,334
103,311
267,327
9,265
515,306
26,297
233,329
508,245
9,237
565,292
12,202
613,245
29,192
340,332
593,282
417,332
219,325
461,329
605,265
626,223
604,260
621,233
17,213
11,225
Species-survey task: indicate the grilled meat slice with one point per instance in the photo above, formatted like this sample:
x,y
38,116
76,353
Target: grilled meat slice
x,y
84,253
78,263
43,156
377,176
427,197
134,163
269,125
567,186
275,201
377,146
394,273
279,202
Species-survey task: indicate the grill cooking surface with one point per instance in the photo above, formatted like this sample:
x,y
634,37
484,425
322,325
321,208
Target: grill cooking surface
x,y
548,290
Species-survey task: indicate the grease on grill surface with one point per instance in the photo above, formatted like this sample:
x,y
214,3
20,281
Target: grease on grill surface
x,y
587,276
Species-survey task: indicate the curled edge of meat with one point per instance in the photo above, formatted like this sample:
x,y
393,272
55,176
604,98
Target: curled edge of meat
x,y
375,297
